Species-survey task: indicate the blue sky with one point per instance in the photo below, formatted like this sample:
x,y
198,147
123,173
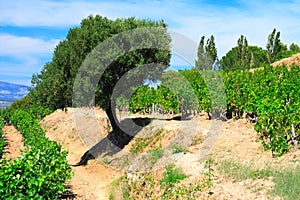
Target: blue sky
x,y
30,30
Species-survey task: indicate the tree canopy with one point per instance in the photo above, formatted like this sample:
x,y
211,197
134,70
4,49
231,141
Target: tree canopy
x,y
233,60
53,87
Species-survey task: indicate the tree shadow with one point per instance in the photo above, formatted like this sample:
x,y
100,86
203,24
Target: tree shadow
x,y
68,194
116,140
179,118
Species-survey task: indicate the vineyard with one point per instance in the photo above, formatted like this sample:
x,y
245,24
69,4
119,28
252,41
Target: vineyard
x,y
87,70
270,95
273,95
41,170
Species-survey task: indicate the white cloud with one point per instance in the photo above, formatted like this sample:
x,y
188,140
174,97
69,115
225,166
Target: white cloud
x,y
256,23
23,91
254,19
5,92
65,13
24,56
16,46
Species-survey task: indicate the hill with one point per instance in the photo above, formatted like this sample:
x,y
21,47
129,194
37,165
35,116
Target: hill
x,y
11,92
242,169
293,60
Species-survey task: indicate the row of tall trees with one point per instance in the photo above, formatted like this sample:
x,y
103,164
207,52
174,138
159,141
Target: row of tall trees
x,y
243,56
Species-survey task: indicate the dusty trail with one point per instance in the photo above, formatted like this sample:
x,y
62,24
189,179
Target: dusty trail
x,y
91,181
14,142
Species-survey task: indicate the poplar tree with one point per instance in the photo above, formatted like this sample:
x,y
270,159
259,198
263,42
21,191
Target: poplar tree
x,y
206,55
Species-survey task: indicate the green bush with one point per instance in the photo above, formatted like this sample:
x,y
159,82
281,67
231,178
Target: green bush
x,y
172,175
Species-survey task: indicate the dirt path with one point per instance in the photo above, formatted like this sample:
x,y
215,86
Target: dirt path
x,y
91,181
14,142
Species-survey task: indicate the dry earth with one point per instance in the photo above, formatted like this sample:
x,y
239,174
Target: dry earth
x,y
14,142
293,60
91,181
236,141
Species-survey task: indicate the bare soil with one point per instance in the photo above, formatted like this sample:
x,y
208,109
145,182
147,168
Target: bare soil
x,y
237,141
293,60
14,142
93,180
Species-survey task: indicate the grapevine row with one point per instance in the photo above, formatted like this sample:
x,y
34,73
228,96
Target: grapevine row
x,y
271,94
41,170
2,141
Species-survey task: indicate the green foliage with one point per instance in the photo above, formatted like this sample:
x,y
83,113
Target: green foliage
x,y
273,95
207,55
285,54
287,184
166,99
243,52
241,172
53,87
172,175
187,90
142,99
3,142
244,57
237,58
209,173
199,97
294,47
180,86
29,106
41,170
148,186
141,143
258,56
216,88
122,103
275,47
145,97
119,188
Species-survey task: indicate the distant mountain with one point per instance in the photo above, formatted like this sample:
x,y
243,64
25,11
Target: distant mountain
x,y
12,92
